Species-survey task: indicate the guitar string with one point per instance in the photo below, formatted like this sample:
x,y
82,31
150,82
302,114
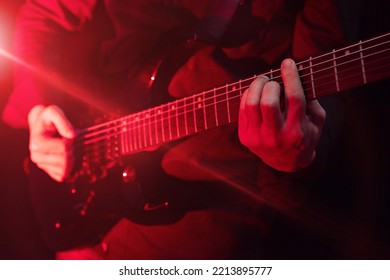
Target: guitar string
x,y
137,146
115,122
119,123
103,148
140,144
305,61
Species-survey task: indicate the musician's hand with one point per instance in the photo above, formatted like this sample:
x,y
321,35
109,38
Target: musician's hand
x,y
51,136
283,133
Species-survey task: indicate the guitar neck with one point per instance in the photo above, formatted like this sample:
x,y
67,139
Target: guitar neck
x,y
333,72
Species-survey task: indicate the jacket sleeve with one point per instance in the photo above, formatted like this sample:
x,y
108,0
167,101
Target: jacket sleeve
x,y
40,25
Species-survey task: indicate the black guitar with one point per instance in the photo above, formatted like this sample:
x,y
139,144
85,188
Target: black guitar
x,y
103,146
333,72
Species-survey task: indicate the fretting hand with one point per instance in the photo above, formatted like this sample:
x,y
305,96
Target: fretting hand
x,y
285,135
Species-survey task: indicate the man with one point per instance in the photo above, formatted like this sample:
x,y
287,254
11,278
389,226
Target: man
x,y
198,219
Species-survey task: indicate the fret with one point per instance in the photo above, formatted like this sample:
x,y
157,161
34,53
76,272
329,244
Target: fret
x,y
158,125
220,97
233,96
116,140
169,121
182,129
240,88
125,149
122,135
166,122
322,72
376,54
134,133
129,135
271,74
199,112
155,122
304,72
138,125
190,115
336,77
209,109
362,63
227,104
240,92
177,119
194,110
152,127
312,78
277,76
173,133
204,110
215,107
348,65
145,137
185,118
162,117
149,117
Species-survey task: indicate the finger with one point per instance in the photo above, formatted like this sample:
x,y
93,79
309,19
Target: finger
x,y
55,146
293,90
252,102
52,160
53,115
270,107
242,120
34,114
316,113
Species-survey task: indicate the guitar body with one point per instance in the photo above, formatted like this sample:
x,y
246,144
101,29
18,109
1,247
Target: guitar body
x,y
148,187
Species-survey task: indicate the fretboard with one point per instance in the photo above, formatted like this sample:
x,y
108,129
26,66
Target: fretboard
x,y
333,72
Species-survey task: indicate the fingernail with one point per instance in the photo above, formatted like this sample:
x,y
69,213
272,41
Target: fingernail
x,y
287,63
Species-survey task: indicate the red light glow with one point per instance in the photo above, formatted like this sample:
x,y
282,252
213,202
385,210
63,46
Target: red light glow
x,y
60,83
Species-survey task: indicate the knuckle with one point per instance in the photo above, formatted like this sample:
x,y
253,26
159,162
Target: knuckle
x,y
271,141
267,104
271,86
261,79
250,140
296,139
270,97
255,90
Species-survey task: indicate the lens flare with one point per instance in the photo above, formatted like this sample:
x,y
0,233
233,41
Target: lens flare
x,y
60,83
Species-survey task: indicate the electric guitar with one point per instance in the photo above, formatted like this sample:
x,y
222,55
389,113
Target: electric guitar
x,y
105,145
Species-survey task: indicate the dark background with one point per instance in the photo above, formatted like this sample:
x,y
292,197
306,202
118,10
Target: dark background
x,y
354,194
